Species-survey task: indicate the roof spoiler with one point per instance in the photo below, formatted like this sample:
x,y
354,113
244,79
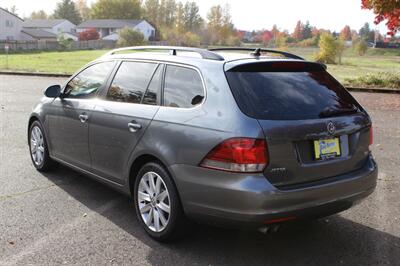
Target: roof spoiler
x,y
257,51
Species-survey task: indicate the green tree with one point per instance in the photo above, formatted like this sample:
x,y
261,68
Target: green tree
x,y
366,33
281,41
360,46
130,37
214,24
180,19
65,44
307,31
66,10
83,9
192,18
340,47
151,10
41,14
328,49
116,9
220,26
167,13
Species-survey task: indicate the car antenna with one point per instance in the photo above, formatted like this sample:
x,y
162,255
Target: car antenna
x,y
257,52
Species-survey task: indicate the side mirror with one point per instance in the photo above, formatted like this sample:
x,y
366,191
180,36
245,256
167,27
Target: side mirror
x,y
53,91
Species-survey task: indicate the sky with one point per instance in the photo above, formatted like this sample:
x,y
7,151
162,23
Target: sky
x,y
256,15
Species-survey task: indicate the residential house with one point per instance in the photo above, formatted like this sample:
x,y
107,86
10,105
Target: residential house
x,y
10,25
108,28
49,29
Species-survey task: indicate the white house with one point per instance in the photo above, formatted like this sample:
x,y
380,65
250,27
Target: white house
x,y
108,28
55,27
10,26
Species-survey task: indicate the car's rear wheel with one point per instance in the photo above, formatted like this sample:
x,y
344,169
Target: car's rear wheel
x,y
157,203
38,148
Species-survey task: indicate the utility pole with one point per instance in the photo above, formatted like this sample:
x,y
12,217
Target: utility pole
x,y
6,48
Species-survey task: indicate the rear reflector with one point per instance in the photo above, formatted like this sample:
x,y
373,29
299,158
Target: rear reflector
x,y
238,155
278,220
371,135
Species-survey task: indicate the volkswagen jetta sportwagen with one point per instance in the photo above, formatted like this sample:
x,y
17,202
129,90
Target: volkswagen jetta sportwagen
x,y
227,136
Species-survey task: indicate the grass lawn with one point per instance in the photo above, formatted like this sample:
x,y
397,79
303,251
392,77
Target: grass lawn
x,y
375,62
49,62
353,70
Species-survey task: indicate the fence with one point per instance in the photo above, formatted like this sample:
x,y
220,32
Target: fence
x,y
53,45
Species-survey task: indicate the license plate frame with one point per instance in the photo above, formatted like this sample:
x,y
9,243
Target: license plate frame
x,y
325,149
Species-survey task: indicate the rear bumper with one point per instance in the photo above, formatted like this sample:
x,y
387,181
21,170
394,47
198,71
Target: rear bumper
x,y
223,197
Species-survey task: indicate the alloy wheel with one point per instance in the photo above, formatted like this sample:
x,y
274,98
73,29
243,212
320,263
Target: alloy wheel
x,y
154,201
37,145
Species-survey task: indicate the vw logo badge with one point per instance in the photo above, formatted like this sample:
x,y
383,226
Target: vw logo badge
x,y
331,128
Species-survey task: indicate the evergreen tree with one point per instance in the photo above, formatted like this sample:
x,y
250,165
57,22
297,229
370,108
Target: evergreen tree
x,y
66,10
116,9
307,31
192,18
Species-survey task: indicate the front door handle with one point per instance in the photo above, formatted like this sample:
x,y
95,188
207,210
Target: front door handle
x,y
83,117
133,126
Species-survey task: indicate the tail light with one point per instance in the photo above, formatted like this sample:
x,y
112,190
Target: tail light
x,y
371,135
238,155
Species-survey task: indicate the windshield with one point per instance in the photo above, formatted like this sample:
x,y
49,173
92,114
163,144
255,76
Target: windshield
x,y
290,95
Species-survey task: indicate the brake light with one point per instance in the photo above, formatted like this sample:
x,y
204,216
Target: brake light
x,y
371,135
238,155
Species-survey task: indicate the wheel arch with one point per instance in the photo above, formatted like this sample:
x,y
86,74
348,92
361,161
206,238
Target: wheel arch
x,y
138,163
32,119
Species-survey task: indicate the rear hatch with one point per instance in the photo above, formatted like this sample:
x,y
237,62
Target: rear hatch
x,y
314,128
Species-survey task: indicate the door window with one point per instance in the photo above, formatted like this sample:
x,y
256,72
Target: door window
x,y
152,94
89,81
131,81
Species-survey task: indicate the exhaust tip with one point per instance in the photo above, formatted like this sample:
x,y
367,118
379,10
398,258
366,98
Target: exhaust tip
x,y
269,229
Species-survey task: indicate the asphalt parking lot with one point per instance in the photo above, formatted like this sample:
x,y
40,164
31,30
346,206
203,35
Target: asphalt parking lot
x,y
65,218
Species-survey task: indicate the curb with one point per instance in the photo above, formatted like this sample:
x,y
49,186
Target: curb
x,y
374,90
17,73
357,89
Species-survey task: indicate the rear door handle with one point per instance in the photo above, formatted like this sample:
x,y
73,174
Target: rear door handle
x,y
133,126
83,117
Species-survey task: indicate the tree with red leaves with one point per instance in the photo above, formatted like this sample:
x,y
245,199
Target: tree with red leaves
x,y
298,31
345,34
385,10
89,34
240,34
267,36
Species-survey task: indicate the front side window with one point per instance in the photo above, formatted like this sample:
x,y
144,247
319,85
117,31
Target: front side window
x,y
183,87
89,81
130,82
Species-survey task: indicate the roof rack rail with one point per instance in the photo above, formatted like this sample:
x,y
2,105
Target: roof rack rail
x,y
205,54
257,51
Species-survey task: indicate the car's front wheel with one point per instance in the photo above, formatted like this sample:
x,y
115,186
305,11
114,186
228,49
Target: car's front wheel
x,y
38,148
157,203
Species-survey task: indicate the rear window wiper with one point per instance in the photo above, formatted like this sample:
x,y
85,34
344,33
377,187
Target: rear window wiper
x,y
328,112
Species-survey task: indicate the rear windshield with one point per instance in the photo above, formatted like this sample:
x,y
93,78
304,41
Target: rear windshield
x,y
289,94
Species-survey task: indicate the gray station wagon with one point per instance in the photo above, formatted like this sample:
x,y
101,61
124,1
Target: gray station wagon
x,y
232,137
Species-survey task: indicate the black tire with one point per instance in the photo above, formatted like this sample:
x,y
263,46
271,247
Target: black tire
x,y
177,222
47,163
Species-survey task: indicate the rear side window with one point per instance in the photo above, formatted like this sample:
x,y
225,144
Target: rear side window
x,y
290,95
183,87
131,81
